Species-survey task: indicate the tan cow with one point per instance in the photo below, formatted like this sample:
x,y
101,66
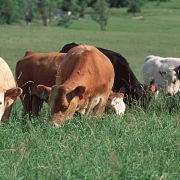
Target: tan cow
x,y
34,69
87,78
8,91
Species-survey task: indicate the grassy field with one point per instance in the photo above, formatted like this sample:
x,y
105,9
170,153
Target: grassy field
x,y
139,145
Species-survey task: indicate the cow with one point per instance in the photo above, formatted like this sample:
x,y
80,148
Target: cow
x,y
87,77
33,69
125,81
8,91
115,104
164,71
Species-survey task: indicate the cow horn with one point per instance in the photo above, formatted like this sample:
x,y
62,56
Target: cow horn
x,y
58,75
58,80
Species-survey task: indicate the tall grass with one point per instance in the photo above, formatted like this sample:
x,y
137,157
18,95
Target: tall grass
x,y
143,144
139,145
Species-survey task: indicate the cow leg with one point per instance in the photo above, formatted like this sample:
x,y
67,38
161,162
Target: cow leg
x,y
36,104
99,108
6,114
26,101
96,106
89,107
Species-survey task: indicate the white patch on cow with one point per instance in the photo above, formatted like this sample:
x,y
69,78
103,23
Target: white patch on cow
x,y
2,106
118,105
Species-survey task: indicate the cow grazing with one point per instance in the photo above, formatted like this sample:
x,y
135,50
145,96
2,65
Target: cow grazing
x,y
164,71
34,69
8,91
115,104
87,78
125,81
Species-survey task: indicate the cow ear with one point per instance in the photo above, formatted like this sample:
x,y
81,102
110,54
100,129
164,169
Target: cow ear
x,y
122,90
13,93
79,91
121,95
177,70
152,86
44,91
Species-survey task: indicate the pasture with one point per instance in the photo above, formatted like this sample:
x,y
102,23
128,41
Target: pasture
x,y
139,145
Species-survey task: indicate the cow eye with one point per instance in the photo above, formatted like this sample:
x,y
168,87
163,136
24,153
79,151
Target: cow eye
x,y
174,82
64,108
162,73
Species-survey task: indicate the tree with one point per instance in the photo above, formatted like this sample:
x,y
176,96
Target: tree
x,y
100,13
7,11
42,6
117,3
46,9
29,11
70,5
83,4
134,6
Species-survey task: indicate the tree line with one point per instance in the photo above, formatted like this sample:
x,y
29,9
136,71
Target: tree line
x,y
64,11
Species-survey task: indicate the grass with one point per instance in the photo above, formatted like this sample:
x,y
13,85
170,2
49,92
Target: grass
x,y
139,145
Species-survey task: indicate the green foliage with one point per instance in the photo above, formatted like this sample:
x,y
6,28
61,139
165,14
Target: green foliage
x,y
8,11
43,9
160,0
65,20
83,4
118,3
70,5
100,13
134,6
29,10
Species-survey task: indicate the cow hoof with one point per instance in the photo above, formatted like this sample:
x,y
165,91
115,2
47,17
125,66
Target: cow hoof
x,y
55,124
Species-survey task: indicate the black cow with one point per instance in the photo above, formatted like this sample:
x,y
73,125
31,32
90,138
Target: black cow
x,y
125,80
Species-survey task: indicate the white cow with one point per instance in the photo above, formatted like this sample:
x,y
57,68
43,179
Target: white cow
x,y
164,71
8,91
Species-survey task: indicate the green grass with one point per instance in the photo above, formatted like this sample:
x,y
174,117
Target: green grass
x,y
139,145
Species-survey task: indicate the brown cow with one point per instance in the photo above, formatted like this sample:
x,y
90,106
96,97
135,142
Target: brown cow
x,y
87,78
34,69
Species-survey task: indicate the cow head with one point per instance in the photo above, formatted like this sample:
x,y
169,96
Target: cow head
x,y
62,101
115,103
170,80
140,94
7,98
67,47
